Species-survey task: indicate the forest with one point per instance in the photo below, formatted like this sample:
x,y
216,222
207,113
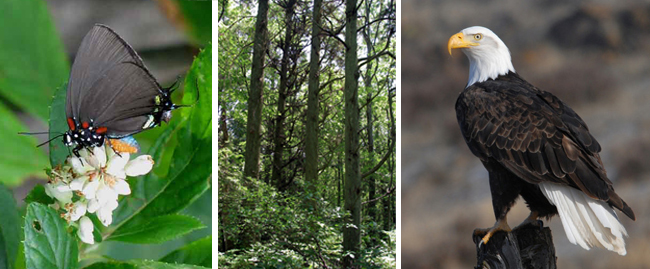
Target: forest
x,y
306,134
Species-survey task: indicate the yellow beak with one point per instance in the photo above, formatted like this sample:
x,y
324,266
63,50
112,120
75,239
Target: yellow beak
x,y
458,41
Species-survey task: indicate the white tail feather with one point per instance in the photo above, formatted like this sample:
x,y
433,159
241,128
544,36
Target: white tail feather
x,y
587,222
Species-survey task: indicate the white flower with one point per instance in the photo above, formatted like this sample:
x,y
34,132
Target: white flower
x,y
94,181
139,166
105,213
60,191
85,231
75,210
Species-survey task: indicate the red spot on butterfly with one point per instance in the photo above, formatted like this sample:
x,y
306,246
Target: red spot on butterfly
x,y
71,124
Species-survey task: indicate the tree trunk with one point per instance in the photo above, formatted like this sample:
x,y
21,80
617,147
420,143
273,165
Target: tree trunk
x,y
386,202
371,207
311,139
255,94
339,178
278,134
351,231
223,127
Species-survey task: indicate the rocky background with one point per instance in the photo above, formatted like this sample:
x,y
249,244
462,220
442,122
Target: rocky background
x,y
595,57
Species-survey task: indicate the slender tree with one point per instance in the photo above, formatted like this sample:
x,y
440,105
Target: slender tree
x,y
255,93
368,77
278,136
311,125
351,231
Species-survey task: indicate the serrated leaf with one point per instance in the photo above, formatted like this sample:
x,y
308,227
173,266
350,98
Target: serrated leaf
x,y
198,252
158,229
9,228
32,59
141,264
47,241
57,126
38,195
190,166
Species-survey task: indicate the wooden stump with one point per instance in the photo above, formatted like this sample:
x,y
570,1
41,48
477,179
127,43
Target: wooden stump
x,y
525,247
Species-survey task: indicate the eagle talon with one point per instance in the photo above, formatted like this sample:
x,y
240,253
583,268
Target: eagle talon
x,y
500,225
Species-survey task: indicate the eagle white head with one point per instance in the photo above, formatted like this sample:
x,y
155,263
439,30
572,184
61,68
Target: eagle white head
x,y
488,56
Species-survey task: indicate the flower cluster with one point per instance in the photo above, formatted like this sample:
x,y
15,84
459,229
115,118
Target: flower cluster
x,y
91,183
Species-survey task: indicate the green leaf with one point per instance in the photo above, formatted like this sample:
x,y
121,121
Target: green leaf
x,y
20,258
141,264
58,125
47,241
32,59
198,252
197,19
30,161
38,195
9,228
158,229
190,165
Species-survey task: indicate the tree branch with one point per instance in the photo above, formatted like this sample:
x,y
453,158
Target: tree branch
x,y
388,192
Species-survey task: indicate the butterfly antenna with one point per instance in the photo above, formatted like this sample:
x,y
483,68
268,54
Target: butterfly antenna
x,y
174,86
35,133
48,141
197,95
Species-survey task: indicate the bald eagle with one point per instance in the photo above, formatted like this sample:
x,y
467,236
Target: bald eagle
x,y
536,146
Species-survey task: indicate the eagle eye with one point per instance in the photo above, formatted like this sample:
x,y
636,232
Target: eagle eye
x,y
478,37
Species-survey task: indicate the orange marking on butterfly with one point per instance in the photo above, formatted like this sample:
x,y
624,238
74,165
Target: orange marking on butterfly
x,y
122,147
101,130
71,124
85,125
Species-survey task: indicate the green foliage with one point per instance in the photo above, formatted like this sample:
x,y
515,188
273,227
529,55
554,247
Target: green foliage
x,y
380,253
32,59
32,64
48,243
198,252
159,229
58,125
266,224
141,264
198,18
15,167
262,228
9,228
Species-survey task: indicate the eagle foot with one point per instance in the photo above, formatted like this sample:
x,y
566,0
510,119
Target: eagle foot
x,y
500,225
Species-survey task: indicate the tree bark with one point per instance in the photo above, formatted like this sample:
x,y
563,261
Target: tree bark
x,y
311,125
351,230
223,127
278,134
255,94
372,206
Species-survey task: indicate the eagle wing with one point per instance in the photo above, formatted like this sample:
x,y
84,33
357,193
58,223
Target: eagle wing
x,y
534,135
